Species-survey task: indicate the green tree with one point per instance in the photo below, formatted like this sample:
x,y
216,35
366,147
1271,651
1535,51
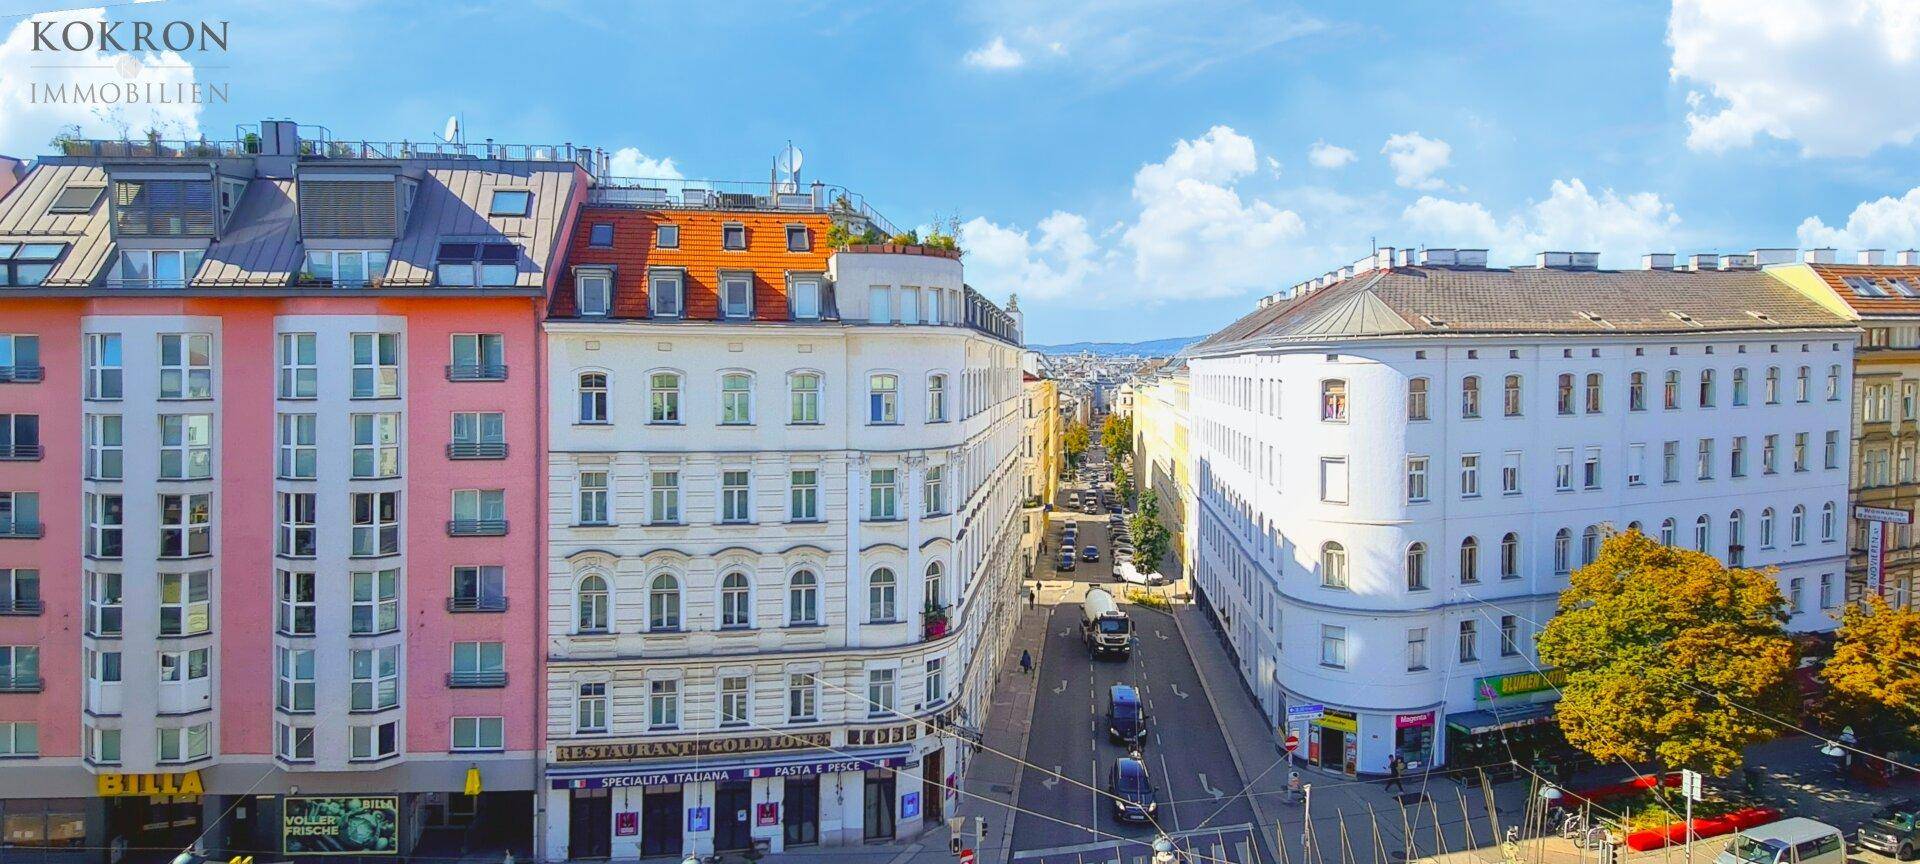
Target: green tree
x,y
1656,643
1116,437
1074,441
1875,668
1151,540
1122,482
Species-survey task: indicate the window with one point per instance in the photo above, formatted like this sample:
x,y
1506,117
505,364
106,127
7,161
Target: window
x,y
141,268
1668,531
1704,466
593,498
478,733
798,239
1333,480
1826,521
1510,473
934,584
736,602
1333,565
478,510
803,599
20,358
1802,388
1417,649
736,399
1589,545
666,237
593,398
1740,386
1511,402
104,368
479,433
1797,525
510,202
376,446
1831,453
1833,385
883,400
803,389
1509,636
1510,556
664,397
1563,551
1333,646
803,697
481,664
299,455
1593,392
186,366
1636,464
1563,469
736,297
345,268
882,597
882,496
478,357
1670,393
1333,401
590,708
1796,588
1702,533
479,588
1766,528
804,295
1769,453
1826,590
376,523
879,692
1706,388
804,496
1773,385
378,741
295,614
600,235
1417,399
299,366
1470,397
664,293
103,604
936,398
294,690
185,745
376,365
186,525
666,498
105,453
291,743
663,704
1470,475
1799,451
20,437
75,198
1637,391
1590,469
593,290
20,517
733,235
19,590
1469,641
590,605
19,666
933,490
295,537
663,603
1416,479
376,601
1469,561
1564,393
1736,539
184,604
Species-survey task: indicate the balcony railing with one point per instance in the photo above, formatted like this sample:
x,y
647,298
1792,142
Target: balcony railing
x,y
476,604
22,374
477,372
477,450
22,606
21,452
22,684
682,194
466,680
316,142
21,530
476,527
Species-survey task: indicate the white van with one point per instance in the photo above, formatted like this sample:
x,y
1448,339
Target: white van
x,y
1789,841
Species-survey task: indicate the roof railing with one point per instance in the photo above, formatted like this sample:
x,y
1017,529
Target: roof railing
x,y
326,148
697,194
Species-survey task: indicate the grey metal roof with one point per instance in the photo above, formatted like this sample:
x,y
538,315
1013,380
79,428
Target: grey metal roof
x,y
1442,300
24,218
262,246
453,201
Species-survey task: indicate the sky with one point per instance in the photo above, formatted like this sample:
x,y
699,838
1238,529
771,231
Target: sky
x,y
1132,169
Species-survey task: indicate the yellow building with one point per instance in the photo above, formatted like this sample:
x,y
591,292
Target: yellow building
x,y
1885,387
1043,448
1160,456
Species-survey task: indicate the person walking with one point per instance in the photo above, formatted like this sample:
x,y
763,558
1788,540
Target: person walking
x,y
1033,597
1026,662
1394,766
1293,787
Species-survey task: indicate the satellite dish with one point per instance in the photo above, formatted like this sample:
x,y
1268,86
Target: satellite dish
x,y
789,162
452,132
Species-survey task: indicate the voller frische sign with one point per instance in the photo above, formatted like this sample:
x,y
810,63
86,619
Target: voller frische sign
x,y
623,751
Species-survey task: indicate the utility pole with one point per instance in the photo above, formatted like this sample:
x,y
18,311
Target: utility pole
x,y
1306,825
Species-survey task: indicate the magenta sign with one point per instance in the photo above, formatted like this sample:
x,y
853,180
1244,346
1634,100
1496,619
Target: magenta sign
x,y
1410,721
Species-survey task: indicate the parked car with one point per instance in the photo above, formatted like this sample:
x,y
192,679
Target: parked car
x,y
1893,830
1090,553
1798,840
1122,552
1066,559
1131,790
1115,518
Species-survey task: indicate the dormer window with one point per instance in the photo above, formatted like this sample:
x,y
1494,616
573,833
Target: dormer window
x,y
601,236
27,265
465,265
76,198
736,296
798,239
806,299
667,237
664,294
345,268
510,202
230,192
733,236
158,268
1864,286
595,292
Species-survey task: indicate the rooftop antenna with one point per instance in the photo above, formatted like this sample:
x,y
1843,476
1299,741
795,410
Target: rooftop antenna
x,y
788,164
455,132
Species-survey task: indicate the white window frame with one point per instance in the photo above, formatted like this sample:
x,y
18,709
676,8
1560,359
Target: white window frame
x,y
376,446
375,601
382,378
299,454
190,373
483,735
299,366
593,293
595,487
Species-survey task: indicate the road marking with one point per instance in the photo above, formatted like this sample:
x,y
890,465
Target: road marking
x,y
1067,631
1053,780
1163,636
1062,688
1176,691
1207,788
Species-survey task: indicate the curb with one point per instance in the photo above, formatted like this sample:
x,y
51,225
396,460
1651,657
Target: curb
x,y
1005,831
1260,813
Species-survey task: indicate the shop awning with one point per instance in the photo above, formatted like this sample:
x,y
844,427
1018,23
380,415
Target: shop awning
x,y
1482,722
742,768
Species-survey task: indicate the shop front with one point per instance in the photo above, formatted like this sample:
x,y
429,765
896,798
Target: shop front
x,y
1333,741
148,814
1512,719
1413,739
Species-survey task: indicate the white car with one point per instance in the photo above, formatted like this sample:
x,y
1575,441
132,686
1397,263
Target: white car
x,y
1126,572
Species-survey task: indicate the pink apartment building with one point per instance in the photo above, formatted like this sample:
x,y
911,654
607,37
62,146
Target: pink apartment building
x,y
271,466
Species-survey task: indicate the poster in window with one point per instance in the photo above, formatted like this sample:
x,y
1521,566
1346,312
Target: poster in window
x,y
348,825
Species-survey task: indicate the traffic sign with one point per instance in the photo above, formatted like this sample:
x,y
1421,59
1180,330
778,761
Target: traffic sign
x,y
966,856
1293,741
1306,712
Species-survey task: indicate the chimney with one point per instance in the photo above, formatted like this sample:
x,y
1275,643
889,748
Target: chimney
x,y
1737,262
1873,257
1820,255
1438,257
1553,259
1773,255
279,138
1657,261
1382,258
1909,257
1470,258
1699,261
1406,257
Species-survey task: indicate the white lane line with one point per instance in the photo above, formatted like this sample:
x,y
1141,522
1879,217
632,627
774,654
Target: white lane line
x,y
1172,809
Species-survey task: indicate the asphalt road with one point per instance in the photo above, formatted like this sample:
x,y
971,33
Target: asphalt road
x,y
1186,755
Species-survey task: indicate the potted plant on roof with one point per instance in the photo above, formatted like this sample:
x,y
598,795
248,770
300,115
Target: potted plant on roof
x,y
935,619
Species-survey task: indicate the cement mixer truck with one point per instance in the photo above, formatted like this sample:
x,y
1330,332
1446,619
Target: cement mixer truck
x,y
1106,629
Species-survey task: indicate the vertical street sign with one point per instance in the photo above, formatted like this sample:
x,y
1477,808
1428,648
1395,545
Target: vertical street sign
x,y
1877,519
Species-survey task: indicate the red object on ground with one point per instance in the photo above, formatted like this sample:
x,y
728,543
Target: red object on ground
x,y
1637,784
1738,820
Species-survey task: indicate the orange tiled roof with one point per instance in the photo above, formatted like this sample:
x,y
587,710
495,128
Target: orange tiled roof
x,y
1896,302
699,253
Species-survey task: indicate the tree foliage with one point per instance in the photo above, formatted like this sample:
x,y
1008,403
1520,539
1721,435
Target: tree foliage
x,y
1074,441
1116,437
1654,640
1151,540
1875,668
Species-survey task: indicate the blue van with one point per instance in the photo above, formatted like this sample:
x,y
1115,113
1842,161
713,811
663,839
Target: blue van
x,y
1126,717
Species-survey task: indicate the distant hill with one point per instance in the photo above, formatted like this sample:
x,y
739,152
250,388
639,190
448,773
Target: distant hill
x,y
1151,348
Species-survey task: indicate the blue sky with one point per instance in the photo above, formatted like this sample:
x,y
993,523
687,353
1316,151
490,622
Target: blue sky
x,y
1137,168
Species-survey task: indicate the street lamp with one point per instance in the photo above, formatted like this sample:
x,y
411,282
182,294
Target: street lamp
x,y
1550,793
1163,850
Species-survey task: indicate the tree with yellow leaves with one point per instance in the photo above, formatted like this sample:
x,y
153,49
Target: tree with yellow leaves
x,y
1654,641
1875,669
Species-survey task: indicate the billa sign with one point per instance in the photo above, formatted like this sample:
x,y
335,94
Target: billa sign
x,y
348,825
625,751
126,785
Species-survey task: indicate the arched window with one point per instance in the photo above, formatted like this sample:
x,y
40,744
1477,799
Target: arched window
x,y
1766,528
1417,567
593,397
1797,525
803,598
663,394
1512,397
1826,521
1470,396
736,601
1740,386
1565,393
1333,565
590,604
1469,561
936,585
1510,556
1589,545
1563,551
1593,392
1702,532
1736,544
1668,527
663,603
736,399
883,400
882,597
1635,526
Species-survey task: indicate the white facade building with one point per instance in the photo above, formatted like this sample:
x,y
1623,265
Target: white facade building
x,y
1397,472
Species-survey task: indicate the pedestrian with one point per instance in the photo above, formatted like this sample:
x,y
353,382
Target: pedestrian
x,y
1293,787
1033,597
1026,662
1394,766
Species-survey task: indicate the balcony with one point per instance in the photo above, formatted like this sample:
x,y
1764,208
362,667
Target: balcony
x,y
476,680
477,372
21,452
22,684
467,450
476,527
935,623
476,604
22,374
11,529
22,606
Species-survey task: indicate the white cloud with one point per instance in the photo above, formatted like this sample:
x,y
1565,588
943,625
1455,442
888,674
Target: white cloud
x,y
1571,218
27,126
1324,155
1415,159
1055,265
1841,77
1885,223
996,55
1273,166
630,162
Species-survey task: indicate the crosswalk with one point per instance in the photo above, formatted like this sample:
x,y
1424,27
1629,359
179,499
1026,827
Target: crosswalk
x,y
1224,844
